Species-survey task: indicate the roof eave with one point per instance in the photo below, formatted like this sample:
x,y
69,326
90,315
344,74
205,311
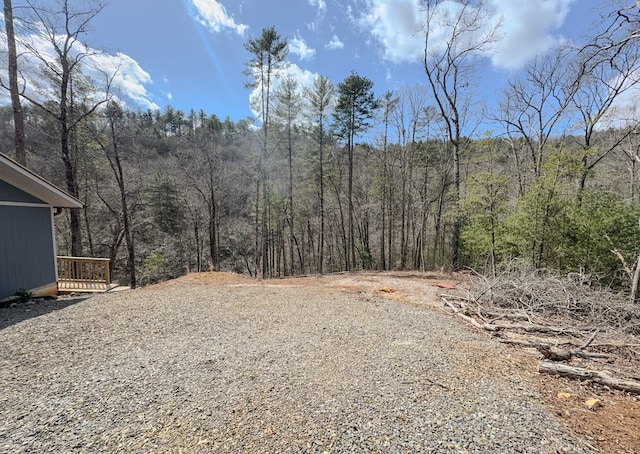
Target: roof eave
x,y
24,179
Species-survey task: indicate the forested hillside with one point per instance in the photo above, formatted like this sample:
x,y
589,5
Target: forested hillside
x,y
341,177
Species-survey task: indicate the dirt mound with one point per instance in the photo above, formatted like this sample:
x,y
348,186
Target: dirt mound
x,y
206,278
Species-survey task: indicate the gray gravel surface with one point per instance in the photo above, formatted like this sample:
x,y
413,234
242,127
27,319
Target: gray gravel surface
x,y
260,368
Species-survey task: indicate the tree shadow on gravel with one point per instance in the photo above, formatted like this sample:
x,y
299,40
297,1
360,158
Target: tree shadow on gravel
x,y
13,313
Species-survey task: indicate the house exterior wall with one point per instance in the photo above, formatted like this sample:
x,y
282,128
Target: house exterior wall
x,y
27,252
9,193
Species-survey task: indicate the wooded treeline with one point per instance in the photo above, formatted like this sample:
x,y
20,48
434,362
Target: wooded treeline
x,y
336,177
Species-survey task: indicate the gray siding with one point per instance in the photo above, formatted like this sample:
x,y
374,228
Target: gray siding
x,y
9,193
27,258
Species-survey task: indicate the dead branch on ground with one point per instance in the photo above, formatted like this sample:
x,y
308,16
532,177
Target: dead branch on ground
x,y
602,377
576,298
463,312
555,314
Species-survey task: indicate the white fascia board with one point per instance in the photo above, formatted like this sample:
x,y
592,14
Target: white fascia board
x,y
31,183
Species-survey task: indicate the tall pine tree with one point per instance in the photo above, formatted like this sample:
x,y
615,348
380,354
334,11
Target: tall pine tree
x,y
355,107
269,54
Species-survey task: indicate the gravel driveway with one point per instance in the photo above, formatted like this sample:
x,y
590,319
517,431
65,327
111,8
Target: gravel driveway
x,y
261,368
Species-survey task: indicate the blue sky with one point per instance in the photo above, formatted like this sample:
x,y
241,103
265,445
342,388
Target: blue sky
x,y
190,53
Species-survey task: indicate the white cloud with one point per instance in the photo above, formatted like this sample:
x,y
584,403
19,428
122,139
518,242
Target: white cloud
x,y
624,110
303,77
129,78
526,27
320,4
476,29
126,77
298,46
214,16
397,25
335,43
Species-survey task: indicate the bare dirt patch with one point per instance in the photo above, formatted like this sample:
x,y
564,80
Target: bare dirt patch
x,y
408,287
220,278
612,426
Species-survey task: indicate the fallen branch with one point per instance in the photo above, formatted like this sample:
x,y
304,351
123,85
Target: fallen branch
x,y
505,313
554,354
617,345
471,320
602,377
520,343
542,294
530,327
533,328
509,316
457,297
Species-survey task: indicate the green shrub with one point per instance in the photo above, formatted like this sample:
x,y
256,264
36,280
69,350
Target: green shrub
x,y
595,228
24,295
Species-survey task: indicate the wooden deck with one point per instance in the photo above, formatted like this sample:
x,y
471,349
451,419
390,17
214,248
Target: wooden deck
x,y
84,275
84,287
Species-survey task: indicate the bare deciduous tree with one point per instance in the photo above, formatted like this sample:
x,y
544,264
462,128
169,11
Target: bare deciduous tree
x,y
449,66
61,29
603,76
112,149
534,104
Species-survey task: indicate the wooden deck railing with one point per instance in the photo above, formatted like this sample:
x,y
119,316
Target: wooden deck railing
x,y
83,274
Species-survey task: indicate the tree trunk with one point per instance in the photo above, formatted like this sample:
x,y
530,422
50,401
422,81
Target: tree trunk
x,y
196,237
321,255
351,254
383,221
74,213
116,167
131,251
410,221
635,282
343,229
457,223
87,226
257,255
70,174
438,220
601,377
390,232
18,114
403,214
213,230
